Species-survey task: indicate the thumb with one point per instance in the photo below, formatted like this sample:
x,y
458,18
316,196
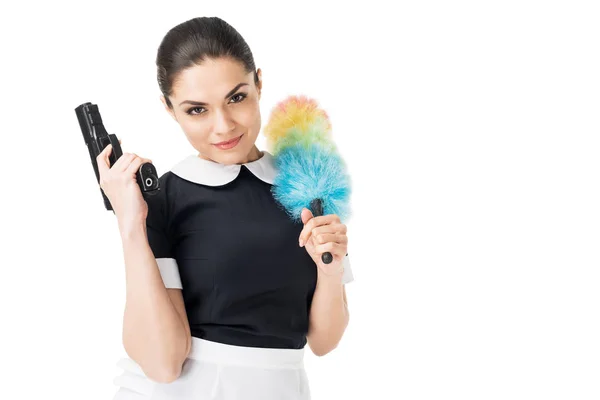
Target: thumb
x,y
306,215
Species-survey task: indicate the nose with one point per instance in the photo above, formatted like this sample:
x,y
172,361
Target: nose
x,y
223,123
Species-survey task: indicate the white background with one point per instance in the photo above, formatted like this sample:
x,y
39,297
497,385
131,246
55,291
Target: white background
x,y
470,130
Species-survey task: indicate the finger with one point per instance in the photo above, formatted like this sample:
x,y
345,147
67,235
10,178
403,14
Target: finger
x,y
145,160
330,228
134,166
332,247
315,222
322,220
123,162
323,238
309,226
103,160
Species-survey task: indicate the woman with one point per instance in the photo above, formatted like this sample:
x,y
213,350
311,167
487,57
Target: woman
x,y
224,290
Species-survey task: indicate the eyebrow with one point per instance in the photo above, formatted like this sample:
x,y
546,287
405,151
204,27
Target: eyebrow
x,y
199,103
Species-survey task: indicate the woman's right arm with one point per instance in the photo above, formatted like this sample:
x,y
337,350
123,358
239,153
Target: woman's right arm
x,y
156,332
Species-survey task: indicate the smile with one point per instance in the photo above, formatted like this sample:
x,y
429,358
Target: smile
x,y
229,144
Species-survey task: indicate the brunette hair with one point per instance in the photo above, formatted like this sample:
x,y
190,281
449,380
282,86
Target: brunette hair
x,y
195,40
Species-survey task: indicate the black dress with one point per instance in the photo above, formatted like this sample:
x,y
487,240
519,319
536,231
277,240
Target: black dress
x,y
218,234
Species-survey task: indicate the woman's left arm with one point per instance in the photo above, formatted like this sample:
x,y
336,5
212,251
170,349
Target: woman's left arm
x,y
329,315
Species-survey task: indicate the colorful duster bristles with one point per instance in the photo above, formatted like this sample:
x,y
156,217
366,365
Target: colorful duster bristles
x,y
309,167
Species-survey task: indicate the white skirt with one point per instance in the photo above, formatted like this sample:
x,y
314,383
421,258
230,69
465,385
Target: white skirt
x,y
222,372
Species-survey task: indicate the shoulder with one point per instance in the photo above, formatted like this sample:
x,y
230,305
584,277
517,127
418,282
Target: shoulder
x,y
160,199
174,193
163,204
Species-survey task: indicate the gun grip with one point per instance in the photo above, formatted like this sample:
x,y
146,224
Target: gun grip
x,y
146,176
116,148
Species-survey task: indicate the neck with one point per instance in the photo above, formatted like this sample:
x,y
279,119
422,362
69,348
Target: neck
x,y
254,155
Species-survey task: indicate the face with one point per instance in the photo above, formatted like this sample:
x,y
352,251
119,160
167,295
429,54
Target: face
x,y
216,102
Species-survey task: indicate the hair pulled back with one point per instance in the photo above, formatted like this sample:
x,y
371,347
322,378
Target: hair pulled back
x,y
192,42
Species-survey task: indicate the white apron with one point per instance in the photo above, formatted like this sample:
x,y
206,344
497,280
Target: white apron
x,y
220,371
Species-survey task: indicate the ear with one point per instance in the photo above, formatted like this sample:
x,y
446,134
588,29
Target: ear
x,y
259,85
162,99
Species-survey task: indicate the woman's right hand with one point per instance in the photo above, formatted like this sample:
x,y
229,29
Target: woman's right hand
x,y
120,186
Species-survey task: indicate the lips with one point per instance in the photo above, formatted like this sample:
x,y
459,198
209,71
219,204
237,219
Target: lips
x,y
228,144
228,141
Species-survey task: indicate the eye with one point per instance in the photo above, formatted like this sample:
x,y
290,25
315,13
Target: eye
x,y
242,97
194,108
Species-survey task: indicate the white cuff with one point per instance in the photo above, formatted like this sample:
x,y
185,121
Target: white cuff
x,y
169,273
347,276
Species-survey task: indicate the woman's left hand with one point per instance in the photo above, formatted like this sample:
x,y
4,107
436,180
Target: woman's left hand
x,y
324,234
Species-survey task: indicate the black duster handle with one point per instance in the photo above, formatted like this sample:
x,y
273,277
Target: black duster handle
x,y
317,209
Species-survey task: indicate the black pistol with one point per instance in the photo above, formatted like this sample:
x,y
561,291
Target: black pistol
x,y
96,139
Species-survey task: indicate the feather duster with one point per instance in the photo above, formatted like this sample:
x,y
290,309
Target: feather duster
x,y
311,173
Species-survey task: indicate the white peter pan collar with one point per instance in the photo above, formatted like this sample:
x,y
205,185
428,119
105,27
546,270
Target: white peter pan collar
x,y
211,173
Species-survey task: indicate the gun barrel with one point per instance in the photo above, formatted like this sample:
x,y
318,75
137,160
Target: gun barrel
x,y
84,122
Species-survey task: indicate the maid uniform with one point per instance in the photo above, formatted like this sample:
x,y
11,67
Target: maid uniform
x,y
219,235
